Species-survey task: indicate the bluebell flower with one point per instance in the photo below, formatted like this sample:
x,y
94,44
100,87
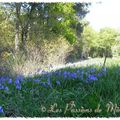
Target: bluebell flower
x,y
65,74
99,74
10,81
6,88
1,87
3,79
58,82
78,71
17,81
68,75
37,80
92,70
104,69
1,109
18,87
73,75
92,78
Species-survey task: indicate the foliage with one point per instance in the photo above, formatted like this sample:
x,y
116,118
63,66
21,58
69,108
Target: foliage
x,y
42,27
89,40
107,39
6,38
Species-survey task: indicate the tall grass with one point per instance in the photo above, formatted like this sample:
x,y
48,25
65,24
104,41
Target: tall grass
x,y
68,92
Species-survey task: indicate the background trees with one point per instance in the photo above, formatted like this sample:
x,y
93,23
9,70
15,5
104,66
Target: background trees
x,y
56,33
39,33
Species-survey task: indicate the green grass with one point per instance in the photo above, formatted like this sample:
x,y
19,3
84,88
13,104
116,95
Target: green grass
x,y
33,96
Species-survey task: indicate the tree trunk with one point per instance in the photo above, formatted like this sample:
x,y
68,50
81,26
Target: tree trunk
x,y
105,57
25,28
24,38
17,37
18,6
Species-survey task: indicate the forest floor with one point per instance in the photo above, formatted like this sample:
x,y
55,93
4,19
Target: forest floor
x,y
83,89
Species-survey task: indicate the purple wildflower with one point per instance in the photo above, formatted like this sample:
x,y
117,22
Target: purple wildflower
x,y
99,74
17,81
92,70
37,80
65,74
10,81
6,88
73,75
1,87
1,109
92,78
78,71
18,87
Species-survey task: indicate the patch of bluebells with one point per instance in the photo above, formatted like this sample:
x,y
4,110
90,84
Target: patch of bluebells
x,y
18,81
18,87
100,74
92,78
10,81
92,70
74,75
90,74
65,74
20,77
3,79
2,87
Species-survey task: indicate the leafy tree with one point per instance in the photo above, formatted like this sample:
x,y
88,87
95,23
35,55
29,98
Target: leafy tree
x,y
60,18
6,34
107,38
89,41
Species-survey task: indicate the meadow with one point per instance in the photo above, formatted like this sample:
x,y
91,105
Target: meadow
x,y
86,90
52,62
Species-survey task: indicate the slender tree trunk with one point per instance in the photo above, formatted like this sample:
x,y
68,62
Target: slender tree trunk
x,y
25,28
18,6
24,35
105,57
17,37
